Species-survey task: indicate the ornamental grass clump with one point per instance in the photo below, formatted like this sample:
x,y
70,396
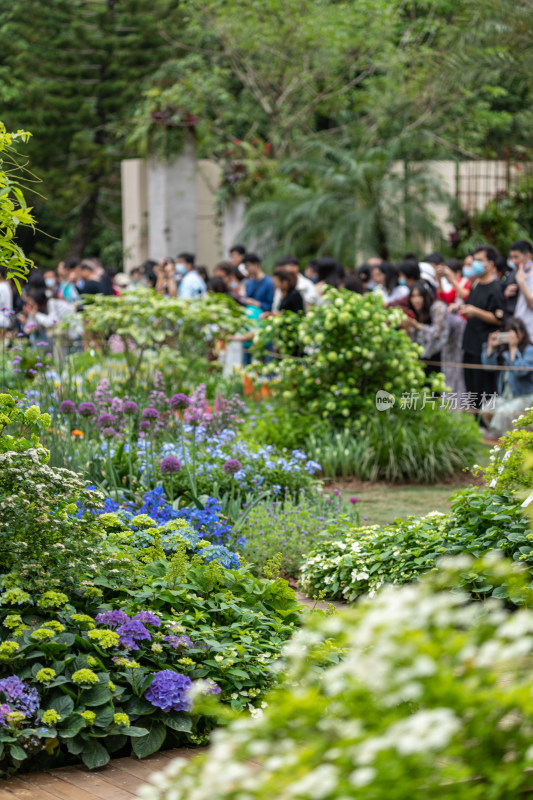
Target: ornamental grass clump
x,y
432,697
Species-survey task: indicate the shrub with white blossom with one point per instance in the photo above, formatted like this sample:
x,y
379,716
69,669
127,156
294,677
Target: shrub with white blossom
x,y
433,697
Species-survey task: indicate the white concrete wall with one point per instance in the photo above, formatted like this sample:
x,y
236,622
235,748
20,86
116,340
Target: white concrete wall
x,y
172,203
134,212
209,249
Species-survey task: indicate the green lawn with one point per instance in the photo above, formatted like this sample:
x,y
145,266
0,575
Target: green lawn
x,y
383,503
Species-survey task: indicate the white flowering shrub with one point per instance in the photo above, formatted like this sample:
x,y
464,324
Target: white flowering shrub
x,y
351,561
433,698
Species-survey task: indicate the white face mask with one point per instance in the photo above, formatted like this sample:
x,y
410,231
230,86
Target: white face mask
x,y
180,268
50,282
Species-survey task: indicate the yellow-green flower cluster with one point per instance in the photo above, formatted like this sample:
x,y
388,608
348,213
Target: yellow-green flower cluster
x,y
92,591
111,686
15,597
42,634
92,662
82,620
128,663
8,649
52,600
12,621
105,638
85,676
15,717
54,625
51,717
141,521
88,716
121,719
45,675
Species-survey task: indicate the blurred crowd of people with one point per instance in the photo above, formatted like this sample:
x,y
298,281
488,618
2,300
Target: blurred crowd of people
x,y
473,318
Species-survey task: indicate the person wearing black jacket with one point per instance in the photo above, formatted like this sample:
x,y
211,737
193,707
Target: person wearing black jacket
x,y
484,312
291,299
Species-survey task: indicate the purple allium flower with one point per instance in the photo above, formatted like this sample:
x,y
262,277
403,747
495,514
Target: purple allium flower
x,y
112,618
178,401
20,695
4,709
87,409
169,464
232,466
147,618
178,642
105,420
353,500
132,632
150,413
109,433
169,690
67,407
144,425
130,407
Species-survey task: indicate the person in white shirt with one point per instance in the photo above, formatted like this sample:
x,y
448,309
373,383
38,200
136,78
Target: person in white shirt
x,y
6,303
305,286
520,254
191,284
385,278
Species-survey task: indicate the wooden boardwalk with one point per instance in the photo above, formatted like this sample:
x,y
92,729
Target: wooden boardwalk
x,y
119,780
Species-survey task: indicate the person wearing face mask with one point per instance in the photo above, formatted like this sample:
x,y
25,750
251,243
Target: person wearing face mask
x,y
484,314
191,285
50,282
520,255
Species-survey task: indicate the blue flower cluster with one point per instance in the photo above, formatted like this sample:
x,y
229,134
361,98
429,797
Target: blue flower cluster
x,y
169,691
20,696
262,466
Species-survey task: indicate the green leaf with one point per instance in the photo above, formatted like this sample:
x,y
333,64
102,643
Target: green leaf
x,y
137,706
134,731
178,722
97,696
64,705
146,745
74,724
18,753
95,755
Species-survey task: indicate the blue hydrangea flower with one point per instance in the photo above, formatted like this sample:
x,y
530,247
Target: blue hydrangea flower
x,y
20,695
147,618
168,691
132,632
112,618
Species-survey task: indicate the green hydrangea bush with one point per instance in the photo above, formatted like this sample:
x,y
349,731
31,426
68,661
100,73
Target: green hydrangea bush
x,y
334,359
433,697
352,561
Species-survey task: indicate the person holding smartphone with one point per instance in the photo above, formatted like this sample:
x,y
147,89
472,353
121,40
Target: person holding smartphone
x,y
513,348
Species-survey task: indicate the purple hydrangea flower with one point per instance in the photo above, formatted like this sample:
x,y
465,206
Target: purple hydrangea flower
x,y
105,420
214,688
150,413
144,425
4,709
178,642
132,632
112,618
87,409
232,466
67,407
130,407
20,695
109,433
147,618
169,691
178,401
169,464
